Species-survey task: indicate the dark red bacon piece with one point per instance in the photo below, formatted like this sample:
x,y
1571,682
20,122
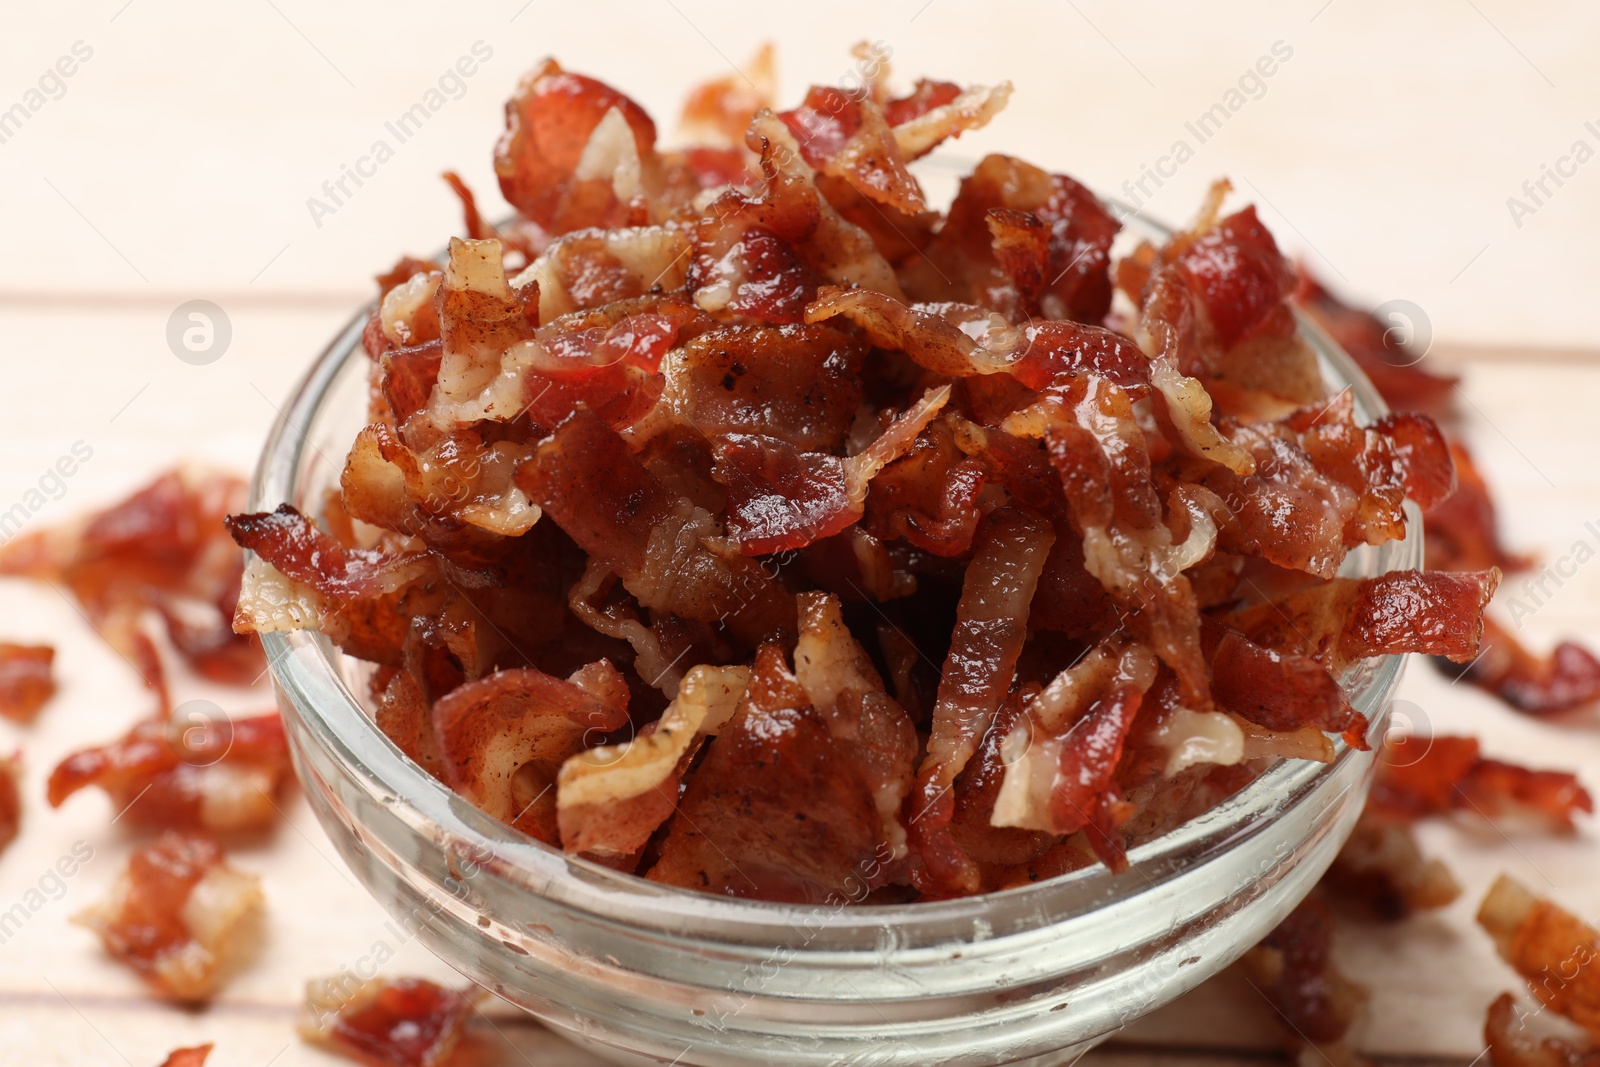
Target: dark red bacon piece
x,y
26,680
1566,678
386,1022
1451,774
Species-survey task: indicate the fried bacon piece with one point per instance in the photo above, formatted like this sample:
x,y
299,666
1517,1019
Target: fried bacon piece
x,y
1510,1044
401,1022
1382,872
179,915
1463,530
718,112
188,1057
218,775
1567,677
991,624
26,682
575,151
1023,242
161,551
611,798
1293,968
1551,948
503,738
1452,775
10,799
779,808
1336,623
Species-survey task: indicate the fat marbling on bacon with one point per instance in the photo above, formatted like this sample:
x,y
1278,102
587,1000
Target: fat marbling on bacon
x,y
736,517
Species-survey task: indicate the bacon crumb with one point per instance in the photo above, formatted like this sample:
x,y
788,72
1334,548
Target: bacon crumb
x,y
188,1057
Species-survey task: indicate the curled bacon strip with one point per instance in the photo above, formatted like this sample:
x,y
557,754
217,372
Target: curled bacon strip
x,y
503,738
1294,968
1567,678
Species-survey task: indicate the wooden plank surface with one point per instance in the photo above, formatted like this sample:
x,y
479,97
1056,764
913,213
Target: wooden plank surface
x,y
176,164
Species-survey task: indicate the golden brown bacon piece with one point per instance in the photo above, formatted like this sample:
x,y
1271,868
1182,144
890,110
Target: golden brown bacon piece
x,y
179,915
26,682
221,776
1510,1044
1293,968
1552,949
1435,613
844,134
1567,677
188,1057
1453,775
718,112
399,1022
503,738
163,550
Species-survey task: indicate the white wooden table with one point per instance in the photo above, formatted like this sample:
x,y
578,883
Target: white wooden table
x,y
175,163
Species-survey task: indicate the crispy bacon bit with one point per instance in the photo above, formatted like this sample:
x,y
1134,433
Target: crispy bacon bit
x,y
222,776
779,809
1439,614
1452,775
179,915
1510,1044
1382,872
1550,948
1293,967
610,799
10,799
502,740
401,1022
1567,678
188,1057
26,682
732,517
162,551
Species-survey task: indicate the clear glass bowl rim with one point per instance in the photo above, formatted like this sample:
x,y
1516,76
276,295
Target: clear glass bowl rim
x,y
305,666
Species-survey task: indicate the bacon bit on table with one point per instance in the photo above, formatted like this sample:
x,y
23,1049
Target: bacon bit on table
x,y
400,1022
179,916
26,681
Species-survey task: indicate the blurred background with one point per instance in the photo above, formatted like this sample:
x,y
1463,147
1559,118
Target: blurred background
x,y
159,152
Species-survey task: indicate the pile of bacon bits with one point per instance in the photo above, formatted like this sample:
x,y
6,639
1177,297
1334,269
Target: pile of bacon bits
x,y
735,517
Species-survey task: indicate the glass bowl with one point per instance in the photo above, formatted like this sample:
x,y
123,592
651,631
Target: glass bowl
x,y
644,973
